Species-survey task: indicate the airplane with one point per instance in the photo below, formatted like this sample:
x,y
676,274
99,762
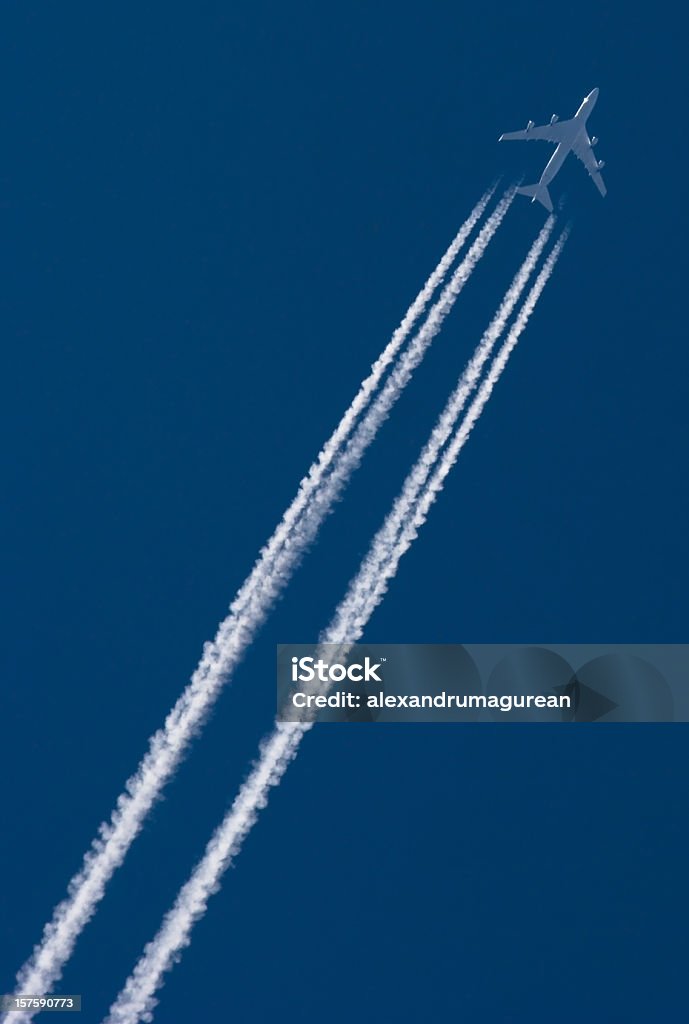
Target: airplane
x,y
568,136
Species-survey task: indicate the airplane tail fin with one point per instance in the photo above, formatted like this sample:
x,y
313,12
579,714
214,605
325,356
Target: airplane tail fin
x,y
538,192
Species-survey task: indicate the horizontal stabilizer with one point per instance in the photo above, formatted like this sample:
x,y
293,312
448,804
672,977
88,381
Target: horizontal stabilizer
x,y
538,192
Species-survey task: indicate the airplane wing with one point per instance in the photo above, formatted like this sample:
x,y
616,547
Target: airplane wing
x,y
541,133
584,151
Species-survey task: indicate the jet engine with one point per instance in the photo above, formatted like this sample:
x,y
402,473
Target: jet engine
x,y
554,119
594,140
529,125
601,165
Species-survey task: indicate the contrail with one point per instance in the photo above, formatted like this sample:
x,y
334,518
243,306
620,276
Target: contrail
x,y
383,545
367,389
278,559
367,590
137,999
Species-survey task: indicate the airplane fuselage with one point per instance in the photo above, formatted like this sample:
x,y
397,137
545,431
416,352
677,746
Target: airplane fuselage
x,y
563,148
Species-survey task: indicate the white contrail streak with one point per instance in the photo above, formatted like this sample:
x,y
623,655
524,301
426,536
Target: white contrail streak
x,y
367,590
137,999
297,529
333,446
383,545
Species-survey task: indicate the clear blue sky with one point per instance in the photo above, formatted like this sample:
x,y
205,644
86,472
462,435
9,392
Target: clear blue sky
x,y
211,218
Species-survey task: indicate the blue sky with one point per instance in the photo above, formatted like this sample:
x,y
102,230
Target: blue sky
x,y
212,219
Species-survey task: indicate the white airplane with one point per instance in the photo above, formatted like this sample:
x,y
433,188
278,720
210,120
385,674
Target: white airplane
x,y
567,136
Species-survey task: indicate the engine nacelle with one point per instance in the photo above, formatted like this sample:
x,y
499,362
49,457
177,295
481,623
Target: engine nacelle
x,y
554,119
601,165
530,125
594,140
